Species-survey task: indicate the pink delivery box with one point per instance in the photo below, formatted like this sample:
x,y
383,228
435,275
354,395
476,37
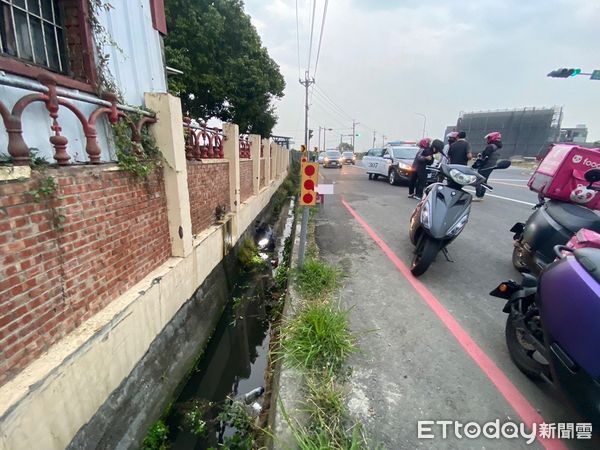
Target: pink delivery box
x,y
561,175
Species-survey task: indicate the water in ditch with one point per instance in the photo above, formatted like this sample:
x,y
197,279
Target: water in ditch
x,y
229,375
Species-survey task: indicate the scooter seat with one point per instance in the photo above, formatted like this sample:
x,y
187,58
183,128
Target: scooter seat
x,y
589,258
573,217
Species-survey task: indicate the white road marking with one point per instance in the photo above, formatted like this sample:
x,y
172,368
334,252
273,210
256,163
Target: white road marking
x,y
487,194
508,179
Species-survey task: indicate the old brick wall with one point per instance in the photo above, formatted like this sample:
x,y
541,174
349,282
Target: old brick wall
x,y
263,175
246,177
208,185
65,257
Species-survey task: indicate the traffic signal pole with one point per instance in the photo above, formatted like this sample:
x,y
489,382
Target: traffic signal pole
x,y
304,230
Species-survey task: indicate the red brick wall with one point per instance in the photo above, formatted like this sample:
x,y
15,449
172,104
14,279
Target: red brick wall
x,y
208,185
114,232
246,180
263,175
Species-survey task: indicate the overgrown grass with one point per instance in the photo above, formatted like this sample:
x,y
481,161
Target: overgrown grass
x,y
317,280
318,338
156,439
248,256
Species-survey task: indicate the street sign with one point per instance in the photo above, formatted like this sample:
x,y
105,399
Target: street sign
x,y
595,75
308,183
326,189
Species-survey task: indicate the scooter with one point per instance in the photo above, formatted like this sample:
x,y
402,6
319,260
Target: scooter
x,y
553,223
443,213
552,329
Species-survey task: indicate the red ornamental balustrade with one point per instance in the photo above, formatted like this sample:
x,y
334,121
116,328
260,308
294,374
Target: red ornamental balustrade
x,y
19,150
202,142
245,146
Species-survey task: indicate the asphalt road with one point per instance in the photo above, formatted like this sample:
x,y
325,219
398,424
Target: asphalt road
x,y
410,365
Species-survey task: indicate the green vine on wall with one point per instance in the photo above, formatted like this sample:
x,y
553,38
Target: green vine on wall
x,y
103,39
139,159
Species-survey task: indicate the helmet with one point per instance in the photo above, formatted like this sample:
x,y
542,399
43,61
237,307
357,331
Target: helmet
x,y
425,142
452,136
437,145
493,137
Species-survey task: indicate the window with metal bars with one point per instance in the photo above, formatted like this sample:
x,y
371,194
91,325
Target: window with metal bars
x,y
33,31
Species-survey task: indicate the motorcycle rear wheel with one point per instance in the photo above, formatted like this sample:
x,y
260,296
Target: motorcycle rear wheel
x,y
425,253
520,354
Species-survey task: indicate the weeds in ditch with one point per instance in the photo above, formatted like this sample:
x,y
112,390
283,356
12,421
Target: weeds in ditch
x,y
156,439
249,257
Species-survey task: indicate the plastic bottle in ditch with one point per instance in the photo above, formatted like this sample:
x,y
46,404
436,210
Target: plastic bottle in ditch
x,y
253,395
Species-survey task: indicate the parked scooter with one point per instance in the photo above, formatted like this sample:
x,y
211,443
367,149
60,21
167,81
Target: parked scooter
x,y
443,213
553,223
552,328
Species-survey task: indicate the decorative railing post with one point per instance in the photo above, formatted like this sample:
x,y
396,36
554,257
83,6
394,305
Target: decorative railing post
x,y
231,135
267,143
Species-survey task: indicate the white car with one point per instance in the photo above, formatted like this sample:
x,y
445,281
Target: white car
x,y
393,162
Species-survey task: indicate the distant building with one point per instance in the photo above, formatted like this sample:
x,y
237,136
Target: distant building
x,y
576,134
525,131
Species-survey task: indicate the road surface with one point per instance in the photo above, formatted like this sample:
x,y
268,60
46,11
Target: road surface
x,y
434,349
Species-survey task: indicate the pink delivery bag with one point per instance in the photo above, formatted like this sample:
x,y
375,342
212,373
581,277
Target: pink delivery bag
x,y
561,175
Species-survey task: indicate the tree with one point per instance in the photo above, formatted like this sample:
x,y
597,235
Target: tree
x,y
345,147
228,74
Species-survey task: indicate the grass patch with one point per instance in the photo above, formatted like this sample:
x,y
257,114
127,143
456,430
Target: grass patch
x,y
317,280
318,339
156,439
248,256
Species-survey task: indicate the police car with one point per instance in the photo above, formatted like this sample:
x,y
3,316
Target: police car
x,y
394,162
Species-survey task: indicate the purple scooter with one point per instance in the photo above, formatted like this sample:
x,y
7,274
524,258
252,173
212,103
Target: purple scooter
x,y
553,326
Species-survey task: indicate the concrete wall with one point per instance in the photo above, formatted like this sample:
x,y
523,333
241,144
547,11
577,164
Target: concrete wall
x,y
82,386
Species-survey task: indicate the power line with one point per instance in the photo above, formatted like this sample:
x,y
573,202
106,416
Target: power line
x,y
298,38
319,101
312,28
321,37
320,92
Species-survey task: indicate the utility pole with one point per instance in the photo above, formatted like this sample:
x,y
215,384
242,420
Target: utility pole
x,y
303,232
354,123
374,134
324,142
319,141
383,138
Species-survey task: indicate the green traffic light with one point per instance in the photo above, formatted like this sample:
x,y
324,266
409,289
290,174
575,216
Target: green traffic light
x,y
576,72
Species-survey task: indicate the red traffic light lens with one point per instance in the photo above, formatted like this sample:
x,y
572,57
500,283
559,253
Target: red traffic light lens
x,y
309,170
307,198
309,185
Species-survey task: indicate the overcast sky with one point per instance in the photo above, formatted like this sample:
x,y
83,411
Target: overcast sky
x,y
383,60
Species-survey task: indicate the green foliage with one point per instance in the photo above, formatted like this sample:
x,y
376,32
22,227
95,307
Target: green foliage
x,y
345,147
46,189
248,256
318,338
194,420
156,439
281,277
139,159
317,279
235,415
228,73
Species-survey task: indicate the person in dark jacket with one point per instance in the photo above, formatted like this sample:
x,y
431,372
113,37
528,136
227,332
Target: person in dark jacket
x,y
424,158
487,160
459,151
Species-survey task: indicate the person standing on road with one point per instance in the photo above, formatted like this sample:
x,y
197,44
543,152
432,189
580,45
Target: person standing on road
x,y
460,151
487,160
424,158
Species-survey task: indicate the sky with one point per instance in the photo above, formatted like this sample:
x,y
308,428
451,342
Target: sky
x,y
383,61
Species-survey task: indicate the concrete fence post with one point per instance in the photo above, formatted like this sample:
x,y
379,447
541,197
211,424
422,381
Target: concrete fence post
x,y
231,150
168,133
268,146
255,146
273,165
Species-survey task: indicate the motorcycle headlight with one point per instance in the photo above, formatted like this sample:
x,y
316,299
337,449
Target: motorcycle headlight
x,y
462,178
458,226
425,216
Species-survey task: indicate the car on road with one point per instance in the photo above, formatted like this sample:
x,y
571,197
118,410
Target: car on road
x,y
333,158
321,157
394,162
348,158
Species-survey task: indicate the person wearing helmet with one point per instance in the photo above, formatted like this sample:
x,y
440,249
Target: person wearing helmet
x,y
487,160
459,152
423,159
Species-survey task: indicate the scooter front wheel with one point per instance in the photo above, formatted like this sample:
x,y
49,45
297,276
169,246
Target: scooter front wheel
x,y
425,253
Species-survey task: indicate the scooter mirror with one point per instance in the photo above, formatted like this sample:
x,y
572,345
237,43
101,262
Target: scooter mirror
x,y
592,176
504,164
